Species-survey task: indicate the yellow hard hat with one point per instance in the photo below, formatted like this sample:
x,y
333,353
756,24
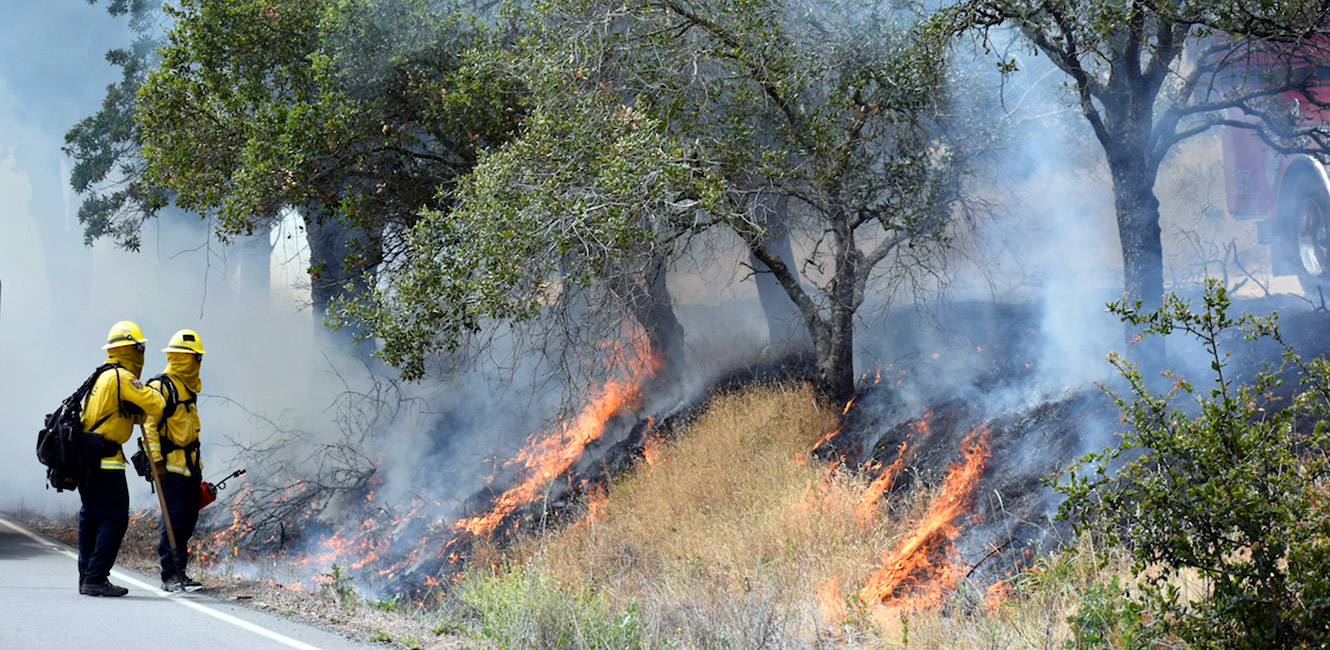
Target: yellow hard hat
x,y
185,341
124,333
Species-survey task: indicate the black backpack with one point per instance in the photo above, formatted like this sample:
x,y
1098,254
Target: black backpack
x,y
142,466
63,446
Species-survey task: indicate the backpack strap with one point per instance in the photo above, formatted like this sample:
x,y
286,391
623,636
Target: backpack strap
x,y
80,396
172,398
164,437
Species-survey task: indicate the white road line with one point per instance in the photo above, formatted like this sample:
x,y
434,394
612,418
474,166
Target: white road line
x,y
124,577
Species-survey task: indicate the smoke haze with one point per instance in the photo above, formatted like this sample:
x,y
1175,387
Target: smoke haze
x,y
268,367
273,375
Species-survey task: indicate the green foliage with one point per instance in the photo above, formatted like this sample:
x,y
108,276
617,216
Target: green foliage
x,y
527,609
448,626
394,604
340,586
499,254
1107,618
105,146
654,121
356,113
1230,483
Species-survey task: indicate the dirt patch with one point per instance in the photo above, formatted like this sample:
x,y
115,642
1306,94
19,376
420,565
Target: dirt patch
x,y
392,624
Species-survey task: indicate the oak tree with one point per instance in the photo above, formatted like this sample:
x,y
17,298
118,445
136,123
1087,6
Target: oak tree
x,y
657,121
1148,75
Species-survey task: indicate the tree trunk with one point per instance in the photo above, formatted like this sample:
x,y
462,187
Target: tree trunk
x,y
834,341
786,331
1137,211
835,356
653,309
329,244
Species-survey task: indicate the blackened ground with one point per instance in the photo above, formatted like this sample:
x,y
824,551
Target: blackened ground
x,y
916,404
920,404
1035,433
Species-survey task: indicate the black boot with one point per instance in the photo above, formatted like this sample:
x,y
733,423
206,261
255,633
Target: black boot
x,y
103,588
173,583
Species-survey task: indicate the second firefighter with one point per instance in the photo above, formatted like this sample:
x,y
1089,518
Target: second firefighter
x,y
173,447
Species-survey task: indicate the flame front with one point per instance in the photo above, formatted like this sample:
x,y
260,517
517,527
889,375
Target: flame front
x,y
917,572
548,458
389,542
545,459
867,508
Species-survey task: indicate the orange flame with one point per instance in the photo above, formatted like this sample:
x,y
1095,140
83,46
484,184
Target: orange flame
x,y
867,507
829,436
596,501
651,448
919,570
545,459
996,594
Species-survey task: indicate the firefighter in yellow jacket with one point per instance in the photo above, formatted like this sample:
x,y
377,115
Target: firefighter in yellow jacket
x,y
117,402
173,445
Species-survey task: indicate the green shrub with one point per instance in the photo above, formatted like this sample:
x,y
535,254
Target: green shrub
x,y
341,586
526,608
1107,617
1229,483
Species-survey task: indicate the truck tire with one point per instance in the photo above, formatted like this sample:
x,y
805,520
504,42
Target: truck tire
x,y
1309,234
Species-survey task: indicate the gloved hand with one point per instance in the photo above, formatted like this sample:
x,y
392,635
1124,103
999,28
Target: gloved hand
x,y
159,468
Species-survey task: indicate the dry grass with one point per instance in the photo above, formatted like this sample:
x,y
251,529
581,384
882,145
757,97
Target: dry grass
x,y
732,537
138,551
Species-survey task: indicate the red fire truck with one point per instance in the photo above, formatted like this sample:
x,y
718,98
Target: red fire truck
x,y
1289,194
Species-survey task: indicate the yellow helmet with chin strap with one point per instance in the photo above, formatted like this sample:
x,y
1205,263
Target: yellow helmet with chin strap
x,y
186,341
124,333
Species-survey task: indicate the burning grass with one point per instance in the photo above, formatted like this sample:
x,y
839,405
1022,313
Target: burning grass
x,y
731,535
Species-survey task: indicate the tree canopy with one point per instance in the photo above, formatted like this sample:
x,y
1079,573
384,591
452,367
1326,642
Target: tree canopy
x,y
106,146
656,121
1147,75
356,114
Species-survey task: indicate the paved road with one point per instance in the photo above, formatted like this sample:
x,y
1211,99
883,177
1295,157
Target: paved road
x,y
41,609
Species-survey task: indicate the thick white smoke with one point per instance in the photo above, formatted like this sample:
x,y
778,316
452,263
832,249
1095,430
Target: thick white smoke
x,y
269,366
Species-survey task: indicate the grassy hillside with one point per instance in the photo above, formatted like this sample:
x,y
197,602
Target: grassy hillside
x,y
731,537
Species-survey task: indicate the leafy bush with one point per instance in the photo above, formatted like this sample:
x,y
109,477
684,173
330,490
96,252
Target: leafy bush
x,y
340,586
526,608
1107,618
1229,483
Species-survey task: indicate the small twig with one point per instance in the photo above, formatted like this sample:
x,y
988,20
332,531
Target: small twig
x,y
995,551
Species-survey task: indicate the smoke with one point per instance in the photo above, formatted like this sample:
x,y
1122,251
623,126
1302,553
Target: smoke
x,y
1026,319
269,367
47,81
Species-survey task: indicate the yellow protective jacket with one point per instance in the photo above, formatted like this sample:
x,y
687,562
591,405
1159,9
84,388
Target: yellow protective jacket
x,y
181,427
118,401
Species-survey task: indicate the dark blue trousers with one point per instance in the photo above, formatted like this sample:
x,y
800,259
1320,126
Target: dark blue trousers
x,y
182,504
103,520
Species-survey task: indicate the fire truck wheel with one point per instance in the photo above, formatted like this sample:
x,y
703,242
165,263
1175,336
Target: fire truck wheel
x,y
1311,237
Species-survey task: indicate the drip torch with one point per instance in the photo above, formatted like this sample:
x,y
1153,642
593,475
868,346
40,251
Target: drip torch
x,y
208,491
